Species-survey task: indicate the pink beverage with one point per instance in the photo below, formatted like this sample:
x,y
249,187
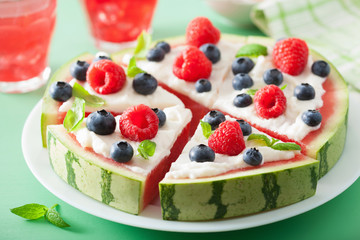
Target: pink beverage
x,y
116,24
26,27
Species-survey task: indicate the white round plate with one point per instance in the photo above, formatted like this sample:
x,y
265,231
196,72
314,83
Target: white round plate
x,y
331,185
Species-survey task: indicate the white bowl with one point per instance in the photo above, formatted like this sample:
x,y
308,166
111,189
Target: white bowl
x,y
236,12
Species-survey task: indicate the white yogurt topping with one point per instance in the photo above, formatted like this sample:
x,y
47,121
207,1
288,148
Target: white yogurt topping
x,y
177,117
184,168
222,94
125,98
290,122
163,72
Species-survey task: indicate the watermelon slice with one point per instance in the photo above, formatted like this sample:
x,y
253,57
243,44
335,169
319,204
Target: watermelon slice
x,y
126,186
228,187
53,112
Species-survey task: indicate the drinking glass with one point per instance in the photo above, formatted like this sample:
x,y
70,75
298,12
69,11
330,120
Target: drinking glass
x,y
26,28
115,24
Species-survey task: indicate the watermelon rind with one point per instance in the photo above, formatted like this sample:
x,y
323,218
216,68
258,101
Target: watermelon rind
x,y
239,193
49,113
83,170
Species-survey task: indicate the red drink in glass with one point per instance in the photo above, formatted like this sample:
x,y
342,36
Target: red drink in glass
x,y
116,24
26,28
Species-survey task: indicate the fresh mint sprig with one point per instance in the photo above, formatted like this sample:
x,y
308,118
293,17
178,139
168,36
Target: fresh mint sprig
x,y
206,129
143,44
251,91
35,211
146,149
252,50
271,143
283,87
90,100
132,70
75,115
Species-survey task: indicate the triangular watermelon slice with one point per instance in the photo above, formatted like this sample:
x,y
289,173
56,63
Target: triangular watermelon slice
x,y
87,166
53,112
229,187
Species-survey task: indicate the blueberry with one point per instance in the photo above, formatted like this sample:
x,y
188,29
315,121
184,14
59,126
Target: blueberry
x,y
60,91
245,127
242,65
155,55
214,118
304,92
164,46
320,68
211,51
78,70
202,153
161,115
242,80
242,100
101,57
101,122
121,151
311,118
252,157
144,84
203,85
273,76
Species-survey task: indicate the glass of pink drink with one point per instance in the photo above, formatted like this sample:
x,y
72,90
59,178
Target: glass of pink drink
x,y
115,24
26,27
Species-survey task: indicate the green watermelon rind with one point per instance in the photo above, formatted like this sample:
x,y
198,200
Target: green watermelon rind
x,y
83,170
49,113
238,194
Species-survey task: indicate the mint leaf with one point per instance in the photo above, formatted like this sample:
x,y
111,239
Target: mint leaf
x,y
53,217
143,44
146,149
260,137
30,211
251,91
252,50
206,129
273,141
90,100
132,70
75,115
286,146
283,87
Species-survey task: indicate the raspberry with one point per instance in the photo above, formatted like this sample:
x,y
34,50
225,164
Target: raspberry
x,y
227,139
105,77
191,65
138,123
200,31
270,102
291,55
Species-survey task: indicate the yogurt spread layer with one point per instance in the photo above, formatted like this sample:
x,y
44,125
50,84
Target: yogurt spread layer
x,y
177,117
125,98
290,122
163,72
185,168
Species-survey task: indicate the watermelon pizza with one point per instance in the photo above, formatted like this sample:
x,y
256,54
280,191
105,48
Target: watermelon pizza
x,y
267,120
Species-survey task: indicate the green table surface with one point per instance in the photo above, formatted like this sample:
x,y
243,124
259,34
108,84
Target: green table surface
x,y
337,219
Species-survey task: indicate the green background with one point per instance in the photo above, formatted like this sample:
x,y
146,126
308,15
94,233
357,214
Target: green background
x,y
337,219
